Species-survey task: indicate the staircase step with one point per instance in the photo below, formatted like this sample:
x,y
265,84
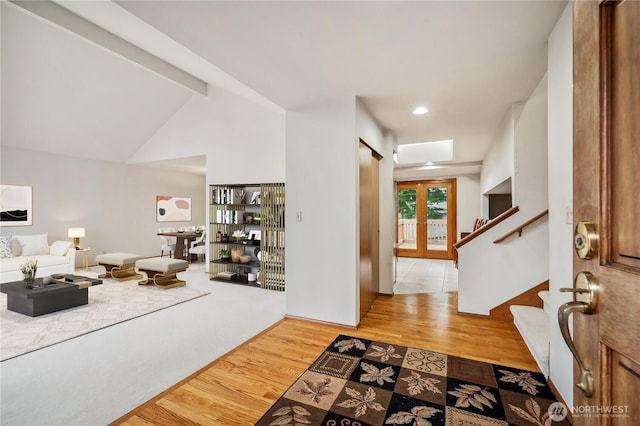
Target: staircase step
x,y
544,295
533,325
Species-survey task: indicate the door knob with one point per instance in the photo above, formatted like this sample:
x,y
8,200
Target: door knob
x,y
585,294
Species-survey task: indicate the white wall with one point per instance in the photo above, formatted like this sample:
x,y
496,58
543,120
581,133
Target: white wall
x,y
469,206
530,154
322,184
243,141
115,203
321,176
560,83
497,164
488,273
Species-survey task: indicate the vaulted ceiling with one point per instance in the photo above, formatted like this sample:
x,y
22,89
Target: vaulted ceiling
x,y
65,95
467,61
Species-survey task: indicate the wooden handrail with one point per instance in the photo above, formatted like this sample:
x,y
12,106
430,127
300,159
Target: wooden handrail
x,y
521,227
485,228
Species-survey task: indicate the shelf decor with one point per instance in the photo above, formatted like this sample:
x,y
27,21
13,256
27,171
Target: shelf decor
x,y
253,216
29,269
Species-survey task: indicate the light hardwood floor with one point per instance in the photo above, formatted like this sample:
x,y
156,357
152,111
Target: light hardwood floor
x,y
240,386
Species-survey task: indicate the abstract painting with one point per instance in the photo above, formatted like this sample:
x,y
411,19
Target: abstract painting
x,y
173,209
16,207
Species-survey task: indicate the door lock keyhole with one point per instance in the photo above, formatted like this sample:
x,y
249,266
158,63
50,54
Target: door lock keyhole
x,y
585,240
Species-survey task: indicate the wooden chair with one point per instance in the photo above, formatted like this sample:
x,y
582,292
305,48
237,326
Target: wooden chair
x,y
168,243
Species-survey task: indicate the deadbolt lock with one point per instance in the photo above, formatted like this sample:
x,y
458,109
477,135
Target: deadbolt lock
x,y
585,240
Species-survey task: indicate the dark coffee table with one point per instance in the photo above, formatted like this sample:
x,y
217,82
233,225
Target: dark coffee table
x,y
43,300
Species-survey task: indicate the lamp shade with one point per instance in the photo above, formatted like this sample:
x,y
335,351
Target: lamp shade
x,y
76,233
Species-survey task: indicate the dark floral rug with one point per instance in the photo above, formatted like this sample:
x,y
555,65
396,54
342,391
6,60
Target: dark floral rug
x,y
362,382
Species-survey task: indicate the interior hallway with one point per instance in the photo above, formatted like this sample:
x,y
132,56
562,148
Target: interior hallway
x,y
415,275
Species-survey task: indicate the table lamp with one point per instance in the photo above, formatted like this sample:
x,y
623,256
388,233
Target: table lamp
x,y
76,234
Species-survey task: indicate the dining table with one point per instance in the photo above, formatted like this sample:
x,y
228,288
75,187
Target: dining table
x,y
183,239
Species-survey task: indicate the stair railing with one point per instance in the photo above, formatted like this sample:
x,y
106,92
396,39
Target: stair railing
x,y
485,228
519,229
476,233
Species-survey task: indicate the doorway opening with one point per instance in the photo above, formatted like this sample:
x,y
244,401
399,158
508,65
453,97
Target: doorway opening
x,y
426,218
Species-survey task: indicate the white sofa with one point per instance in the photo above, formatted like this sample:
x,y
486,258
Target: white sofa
x,y
57,258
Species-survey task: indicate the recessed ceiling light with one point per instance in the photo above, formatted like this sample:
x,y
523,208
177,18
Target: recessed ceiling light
x,y
420,110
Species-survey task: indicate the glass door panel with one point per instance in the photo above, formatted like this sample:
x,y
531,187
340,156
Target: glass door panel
x,y
407,218
437,218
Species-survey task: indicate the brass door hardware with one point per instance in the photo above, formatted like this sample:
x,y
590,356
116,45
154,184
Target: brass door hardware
x,y
585,240
585,300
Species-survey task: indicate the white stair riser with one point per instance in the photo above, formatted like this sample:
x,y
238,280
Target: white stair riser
x,y
533,325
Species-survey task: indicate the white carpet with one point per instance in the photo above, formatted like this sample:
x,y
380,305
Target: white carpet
x,y
98,377
109,303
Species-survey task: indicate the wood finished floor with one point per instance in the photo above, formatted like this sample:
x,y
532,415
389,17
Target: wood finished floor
x,y
240,386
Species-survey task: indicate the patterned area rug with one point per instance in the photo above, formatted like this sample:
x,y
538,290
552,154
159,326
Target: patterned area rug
x,y
362,382
109,303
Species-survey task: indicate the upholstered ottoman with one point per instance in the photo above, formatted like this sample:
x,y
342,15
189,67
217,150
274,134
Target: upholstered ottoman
x,y
119,266
162,271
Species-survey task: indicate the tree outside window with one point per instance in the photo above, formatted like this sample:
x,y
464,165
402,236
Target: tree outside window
x,y
407,203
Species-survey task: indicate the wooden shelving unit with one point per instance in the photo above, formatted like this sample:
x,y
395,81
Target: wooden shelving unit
x,y
254,209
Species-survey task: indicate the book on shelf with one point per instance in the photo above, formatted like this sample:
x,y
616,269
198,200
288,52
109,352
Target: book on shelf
x,y
228,196
228,217
227,275
75,278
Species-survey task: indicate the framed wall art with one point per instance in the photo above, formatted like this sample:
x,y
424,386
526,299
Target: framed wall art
x,y
16,205
173,209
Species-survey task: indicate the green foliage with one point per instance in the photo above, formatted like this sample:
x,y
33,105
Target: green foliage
x,y
435,198
436,203
407,203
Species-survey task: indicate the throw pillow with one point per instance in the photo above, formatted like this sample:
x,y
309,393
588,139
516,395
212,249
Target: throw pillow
x,y
16,248
33,245
60,248
5,247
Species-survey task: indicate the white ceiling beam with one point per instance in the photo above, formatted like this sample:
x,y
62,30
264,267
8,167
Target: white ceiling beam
x,y
119,21
88,30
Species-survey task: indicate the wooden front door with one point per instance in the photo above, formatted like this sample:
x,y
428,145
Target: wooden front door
x,y
607,192
426,219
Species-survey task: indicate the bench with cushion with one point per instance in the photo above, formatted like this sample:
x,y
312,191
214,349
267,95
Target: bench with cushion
x,y
120,266
162,271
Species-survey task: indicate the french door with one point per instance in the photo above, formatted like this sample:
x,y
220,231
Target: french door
x,y
426,219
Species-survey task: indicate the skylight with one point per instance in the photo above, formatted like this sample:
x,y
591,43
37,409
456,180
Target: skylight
x,y
425,152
